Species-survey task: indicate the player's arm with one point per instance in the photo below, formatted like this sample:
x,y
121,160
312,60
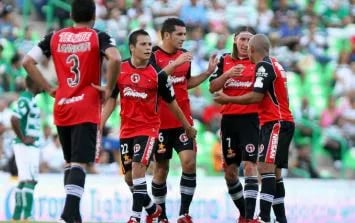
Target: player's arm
x,y
167,93
113,57
263,82
197,80
109,106
219,78
35,56
182,58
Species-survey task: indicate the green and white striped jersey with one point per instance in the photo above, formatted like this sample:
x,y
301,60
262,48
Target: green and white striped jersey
x,y
28,112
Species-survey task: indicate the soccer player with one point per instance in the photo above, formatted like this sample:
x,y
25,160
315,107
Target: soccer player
x,y
140,83
240,123
276,121
26,123
176,61
77,53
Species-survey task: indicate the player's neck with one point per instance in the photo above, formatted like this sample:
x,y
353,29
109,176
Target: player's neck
x,y
259,58
83,25
139,63
168,48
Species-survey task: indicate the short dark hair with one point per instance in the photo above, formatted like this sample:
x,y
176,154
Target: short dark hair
x,y
132,39
244,29
83,10
169,25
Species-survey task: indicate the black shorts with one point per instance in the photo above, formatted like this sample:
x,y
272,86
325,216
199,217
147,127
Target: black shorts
x,y
172,138
137,149
240,136
78,142
275,139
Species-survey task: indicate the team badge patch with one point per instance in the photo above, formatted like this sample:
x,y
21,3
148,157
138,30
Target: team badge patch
x,y
183,137
136,148
250,148
135,78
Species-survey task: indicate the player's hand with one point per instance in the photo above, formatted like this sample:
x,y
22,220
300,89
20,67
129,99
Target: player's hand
x,y
28,140
220,97
235,71
183,58
191,132
212,63
52,92
105,92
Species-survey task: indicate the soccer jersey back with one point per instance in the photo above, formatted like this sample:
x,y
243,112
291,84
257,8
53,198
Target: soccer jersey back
x,y
271,80
139,89
235,86
76,54
28,113
179,81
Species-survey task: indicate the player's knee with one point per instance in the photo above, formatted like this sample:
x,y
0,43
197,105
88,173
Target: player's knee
x,y
161,171
230,175
188,165
250,169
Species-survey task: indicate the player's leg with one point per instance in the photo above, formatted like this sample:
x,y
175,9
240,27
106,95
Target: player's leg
x,y
186,148
163,154
83,148
21,163
269,136
232,157
29,186
286,134
143,148
248,129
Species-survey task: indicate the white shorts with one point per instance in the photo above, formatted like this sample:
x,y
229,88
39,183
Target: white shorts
x,y
27,161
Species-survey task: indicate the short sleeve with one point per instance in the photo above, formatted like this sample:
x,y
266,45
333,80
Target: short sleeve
x,y
264,77
165,89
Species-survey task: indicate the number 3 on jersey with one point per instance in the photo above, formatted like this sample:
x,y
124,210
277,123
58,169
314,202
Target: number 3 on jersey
x,y
73,60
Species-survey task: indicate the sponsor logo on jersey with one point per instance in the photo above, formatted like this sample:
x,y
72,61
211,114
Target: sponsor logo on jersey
x,y
259,82
129,92
261,72
176,80
65,101
237,84
135,78
69,37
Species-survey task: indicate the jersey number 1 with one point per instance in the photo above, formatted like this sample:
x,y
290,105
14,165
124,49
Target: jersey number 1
x,y
73,60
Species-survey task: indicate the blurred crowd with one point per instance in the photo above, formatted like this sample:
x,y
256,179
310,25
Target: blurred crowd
x,y
313,39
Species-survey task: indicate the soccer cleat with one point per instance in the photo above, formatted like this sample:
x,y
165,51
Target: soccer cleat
x,y
186,218
132,220
241,219
157,213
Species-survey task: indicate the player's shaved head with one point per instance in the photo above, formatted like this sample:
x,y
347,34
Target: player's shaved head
x,y
260,43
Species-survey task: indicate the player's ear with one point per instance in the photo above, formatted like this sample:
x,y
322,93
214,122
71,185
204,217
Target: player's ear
x,y
131,47
166,35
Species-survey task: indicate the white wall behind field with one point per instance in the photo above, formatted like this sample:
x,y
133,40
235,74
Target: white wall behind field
x,y
107,199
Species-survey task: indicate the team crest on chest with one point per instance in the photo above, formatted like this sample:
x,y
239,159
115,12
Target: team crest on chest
x,y
135,78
